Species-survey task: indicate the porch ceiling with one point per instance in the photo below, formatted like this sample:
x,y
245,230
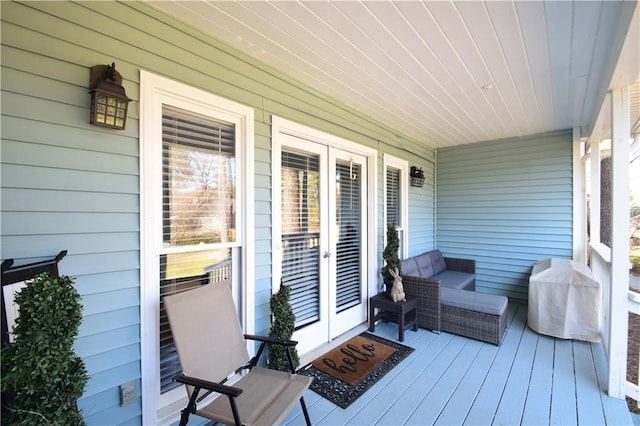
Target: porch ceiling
x,y
445,73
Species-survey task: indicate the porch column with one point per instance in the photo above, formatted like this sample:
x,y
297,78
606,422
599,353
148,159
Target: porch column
x,y
594,208
619,311
580,203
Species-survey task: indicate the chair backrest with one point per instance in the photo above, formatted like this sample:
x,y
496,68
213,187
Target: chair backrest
x,y
14,277
207,332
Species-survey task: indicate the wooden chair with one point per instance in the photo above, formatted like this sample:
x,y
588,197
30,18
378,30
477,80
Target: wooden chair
x,y
212,347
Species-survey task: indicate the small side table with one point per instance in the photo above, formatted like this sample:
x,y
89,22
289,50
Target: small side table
x,y
404,311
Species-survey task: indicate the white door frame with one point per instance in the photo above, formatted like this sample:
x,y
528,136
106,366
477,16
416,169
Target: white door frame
x,y
280,127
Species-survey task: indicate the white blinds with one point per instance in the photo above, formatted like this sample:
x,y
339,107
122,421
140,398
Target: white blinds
x,y
198,208
169,363
198,178
393,196
301,234
348,212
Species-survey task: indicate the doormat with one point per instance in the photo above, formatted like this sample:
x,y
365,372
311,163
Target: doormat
x,y
346,372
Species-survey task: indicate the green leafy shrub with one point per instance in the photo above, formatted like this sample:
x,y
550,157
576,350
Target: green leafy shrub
x,y
390,253
42,378
282,327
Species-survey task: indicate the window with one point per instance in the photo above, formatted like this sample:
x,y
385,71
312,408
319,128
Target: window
x,y
196,219
396,172
199,187
393,196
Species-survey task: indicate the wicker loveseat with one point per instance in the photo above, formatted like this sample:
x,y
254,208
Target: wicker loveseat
x,y
447,300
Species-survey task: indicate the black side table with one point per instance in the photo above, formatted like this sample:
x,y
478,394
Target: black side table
x,y
404,311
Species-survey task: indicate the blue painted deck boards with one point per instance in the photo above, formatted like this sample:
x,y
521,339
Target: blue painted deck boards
x,y
530,379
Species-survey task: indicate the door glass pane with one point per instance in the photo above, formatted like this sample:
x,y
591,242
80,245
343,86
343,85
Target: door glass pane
x,y
301,234
348,208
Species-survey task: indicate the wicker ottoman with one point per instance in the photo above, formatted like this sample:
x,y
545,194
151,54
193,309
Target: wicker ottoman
x,y
477,315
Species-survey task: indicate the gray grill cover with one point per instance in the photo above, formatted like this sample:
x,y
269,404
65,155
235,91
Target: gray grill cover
x,y
564,300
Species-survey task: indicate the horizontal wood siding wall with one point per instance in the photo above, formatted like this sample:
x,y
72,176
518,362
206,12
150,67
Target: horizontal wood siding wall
x,y
506,204
422,210
421,202
68,185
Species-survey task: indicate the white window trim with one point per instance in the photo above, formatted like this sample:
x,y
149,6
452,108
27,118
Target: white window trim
x,y
153,91
403,166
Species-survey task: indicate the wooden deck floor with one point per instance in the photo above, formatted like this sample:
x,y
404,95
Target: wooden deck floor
x,y
530,379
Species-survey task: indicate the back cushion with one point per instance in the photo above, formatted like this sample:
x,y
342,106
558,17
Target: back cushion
x,y
410,268
438,262
424,263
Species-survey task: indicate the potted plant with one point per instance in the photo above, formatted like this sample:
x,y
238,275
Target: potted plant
x,y
390,256
282,327
42,378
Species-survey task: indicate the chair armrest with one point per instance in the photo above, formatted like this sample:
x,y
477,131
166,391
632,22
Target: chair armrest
x,y
461,265
427,290
265,340
205,384
272,340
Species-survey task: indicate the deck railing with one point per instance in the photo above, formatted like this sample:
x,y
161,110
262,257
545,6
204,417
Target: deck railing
x,y
601,268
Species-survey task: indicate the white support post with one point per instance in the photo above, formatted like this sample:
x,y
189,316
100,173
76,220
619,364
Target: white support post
x,y
579,202
620,134
594,209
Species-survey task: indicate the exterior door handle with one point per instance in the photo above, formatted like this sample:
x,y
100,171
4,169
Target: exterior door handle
x,y
326,254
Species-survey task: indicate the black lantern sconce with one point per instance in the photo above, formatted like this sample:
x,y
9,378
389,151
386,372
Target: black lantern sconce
x,y
109,101
417,176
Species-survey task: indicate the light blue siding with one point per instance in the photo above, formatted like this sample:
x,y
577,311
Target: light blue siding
x,y
68,185
422,211
506,204
421,208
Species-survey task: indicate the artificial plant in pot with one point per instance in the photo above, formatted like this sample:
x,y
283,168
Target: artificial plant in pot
x,y
42,378
282,327
390,256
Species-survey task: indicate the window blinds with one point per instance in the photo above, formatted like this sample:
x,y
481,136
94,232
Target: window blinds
x,y
198,178
393,196
301,234
198,187
348,215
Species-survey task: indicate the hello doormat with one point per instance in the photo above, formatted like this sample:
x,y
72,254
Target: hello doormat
x,y
344,373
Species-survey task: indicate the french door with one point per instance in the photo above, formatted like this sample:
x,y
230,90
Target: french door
x,y
323,238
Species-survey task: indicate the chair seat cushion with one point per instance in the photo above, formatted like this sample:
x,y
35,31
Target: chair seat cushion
x,y
267,397
455,279
491,304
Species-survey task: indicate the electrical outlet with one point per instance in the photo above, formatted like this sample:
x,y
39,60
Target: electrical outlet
x,y
127,393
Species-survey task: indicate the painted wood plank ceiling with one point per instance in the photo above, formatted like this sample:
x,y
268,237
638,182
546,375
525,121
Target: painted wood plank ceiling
x,y
441,72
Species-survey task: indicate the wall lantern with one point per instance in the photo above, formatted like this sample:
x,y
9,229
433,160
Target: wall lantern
x,y
109,101
417,176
